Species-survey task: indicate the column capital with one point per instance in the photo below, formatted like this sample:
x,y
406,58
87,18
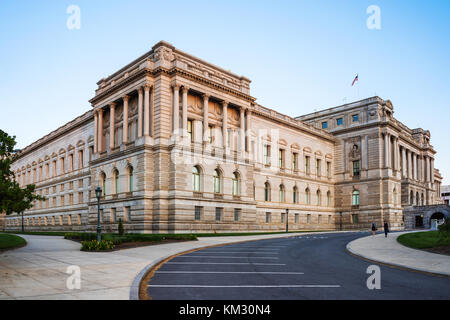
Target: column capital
x,y
147,87
205,96
225,103
126,97
112,105
140,90
175,85
185,88
100,111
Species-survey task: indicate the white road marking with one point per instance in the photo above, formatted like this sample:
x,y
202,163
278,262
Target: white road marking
x,y
223,257
232,272
260,264
246,286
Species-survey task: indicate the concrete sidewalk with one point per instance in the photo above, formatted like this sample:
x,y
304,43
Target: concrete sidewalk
x,y
390,251
38,270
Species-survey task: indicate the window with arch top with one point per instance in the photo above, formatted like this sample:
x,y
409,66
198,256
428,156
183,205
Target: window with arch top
x,y
116,181
235,184
282,193
217,181
103,182
130,179
196,179
355,198
267,191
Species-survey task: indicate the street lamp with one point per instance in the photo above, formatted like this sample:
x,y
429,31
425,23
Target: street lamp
x,y
340,222
287,220
98,194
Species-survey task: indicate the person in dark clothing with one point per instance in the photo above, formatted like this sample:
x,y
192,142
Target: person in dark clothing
x,y
386,229
374,228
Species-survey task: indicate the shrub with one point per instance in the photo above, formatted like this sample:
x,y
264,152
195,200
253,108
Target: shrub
x,y
94,245
120,227
444,230
81,236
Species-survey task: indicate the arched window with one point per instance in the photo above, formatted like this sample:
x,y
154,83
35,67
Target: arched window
x,y
235,184
355,198
307,196
216,181
130,179
328,199
196,179
267,191
318,197
295,195
116,181
103,182
281,193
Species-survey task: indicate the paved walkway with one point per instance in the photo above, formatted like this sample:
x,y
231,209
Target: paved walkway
x,y
389,251
38,270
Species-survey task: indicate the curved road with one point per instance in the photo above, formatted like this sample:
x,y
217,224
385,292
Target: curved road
x,y
303,267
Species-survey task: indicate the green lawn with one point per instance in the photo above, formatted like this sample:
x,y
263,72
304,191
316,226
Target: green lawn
x,y
40,233
423,240
10,241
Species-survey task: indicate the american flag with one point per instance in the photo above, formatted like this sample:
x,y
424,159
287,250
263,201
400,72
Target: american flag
x,y
354,80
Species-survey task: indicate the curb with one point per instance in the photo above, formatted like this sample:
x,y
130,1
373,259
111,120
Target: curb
x,y
393,265
134,289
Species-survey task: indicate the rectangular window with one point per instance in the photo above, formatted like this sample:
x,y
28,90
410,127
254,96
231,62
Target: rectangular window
x,y
70,162
308,218
318,167
70,199
219,214
80,183
61,200
354,218
329,219
237,214
339,121
198,213
355,118
61,187
356,168
307,158
281,158
268,217
296,218
210,134
283,218
80,159
324,125
80,197
127,213
328,169
190,130
113,215
47,171
266,154
295,161
62,165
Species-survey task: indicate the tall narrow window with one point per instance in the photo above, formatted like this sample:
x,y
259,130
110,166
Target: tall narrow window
x,y
328,169
307,158
281,193
328,199
281,158
318,198
70,162
355,198
307,196
267,191
216,181
356,168
62,165
318,167
266,154
103,182
196,179
116,181
210,134
190,130
295,195
294,161
130,179
80,159
235,184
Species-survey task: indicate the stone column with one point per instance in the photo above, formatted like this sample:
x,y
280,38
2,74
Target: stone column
x,y
205,117
140,99
416,170
409,165
176,109
403,162
111,124
100,131
125,120
248,122
432,170
95,131
146,110
184,119
395,146
242,129
225,124
386,150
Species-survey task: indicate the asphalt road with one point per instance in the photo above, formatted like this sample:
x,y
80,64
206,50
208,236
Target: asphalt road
x,y
304,267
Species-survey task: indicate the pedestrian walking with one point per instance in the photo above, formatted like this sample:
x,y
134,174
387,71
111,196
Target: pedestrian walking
x,y
374,228
386,229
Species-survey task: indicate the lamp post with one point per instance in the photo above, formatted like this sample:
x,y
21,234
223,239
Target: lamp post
x,y
98,194
287,220
340,221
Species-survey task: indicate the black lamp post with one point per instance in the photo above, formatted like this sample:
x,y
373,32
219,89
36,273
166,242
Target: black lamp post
x,y
340,221
98,194
287,220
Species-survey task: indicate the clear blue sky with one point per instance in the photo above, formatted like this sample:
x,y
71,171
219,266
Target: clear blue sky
x,y
300,55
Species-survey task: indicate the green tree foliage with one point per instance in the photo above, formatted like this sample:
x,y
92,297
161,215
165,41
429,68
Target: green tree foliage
x,y
120,228
13,198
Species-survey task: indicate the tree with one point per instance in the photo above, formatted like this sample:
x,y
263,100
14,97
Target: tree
x,y
13,198
120,227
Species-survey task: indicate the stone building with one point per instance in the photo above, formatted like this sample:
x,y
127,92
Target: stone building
x,y
179,145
